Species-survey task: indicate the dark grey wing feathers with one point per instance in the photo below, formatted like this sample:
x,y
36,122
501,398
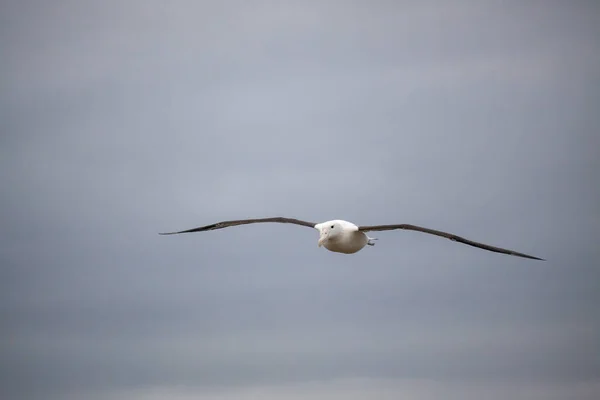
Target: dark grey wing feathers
x,y
225,224
450,236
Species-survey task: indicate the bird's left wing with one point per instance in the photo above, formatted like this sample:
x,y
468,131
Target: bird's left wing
x,y
450,236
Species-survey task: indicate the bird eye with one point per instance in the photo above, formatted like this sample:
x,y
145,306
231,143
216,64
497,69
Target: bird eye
x,y
331,226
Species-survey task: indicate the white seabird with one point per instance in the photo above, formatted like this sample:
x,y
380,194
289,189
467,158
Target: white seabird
x,y
344,237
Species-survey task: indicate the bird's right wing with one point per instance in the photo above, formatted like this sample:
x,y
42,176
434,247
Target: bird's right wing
x,y
225,224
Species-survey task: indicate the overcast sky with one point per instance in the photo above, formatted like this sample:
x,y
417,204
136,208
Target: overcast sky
x,y
122,119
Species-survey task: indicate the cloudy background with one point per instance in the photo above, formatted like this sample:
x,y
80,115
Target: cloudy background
x,y
121,119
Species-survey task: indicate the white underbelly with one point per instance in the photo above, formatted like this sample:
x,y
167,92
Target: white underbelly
x,y
349,243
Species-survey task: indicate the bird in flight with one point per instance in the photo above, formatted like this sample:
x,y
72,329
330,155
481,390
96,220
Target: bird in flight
x,y
344,237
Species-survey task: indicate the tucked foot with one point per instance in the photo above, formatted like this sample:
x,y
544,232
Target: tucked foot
x,y
371,242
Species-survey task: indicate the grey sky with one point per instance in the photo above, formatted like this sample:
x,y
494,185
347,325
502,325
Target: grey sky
x,y
123,119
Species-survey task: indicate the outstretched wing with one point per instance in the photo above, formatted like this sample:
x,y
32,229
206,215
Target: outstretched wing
x,y
450,236
225,224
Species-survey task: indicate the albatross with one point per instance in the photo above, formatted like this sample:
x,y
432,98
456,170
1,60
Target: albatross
x,y
345,237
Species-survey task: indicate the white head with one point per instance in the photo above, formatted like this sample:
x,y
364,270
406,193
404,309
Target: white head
x,y
329,231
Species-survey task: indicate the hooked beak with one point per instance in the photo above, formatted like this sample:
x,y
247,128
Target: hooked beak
x,y
322,239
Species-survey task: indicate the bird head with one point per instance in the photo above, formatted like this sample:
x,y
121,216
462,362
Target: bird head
x,y
328,231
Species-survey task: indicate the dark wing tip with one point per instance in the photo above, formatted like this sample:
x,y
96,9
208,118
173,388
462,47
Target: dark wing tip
x,y
535,258
517,254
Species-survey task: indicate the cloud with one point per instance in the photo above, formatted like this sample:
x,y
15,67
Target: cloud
x,y
365,388
126,119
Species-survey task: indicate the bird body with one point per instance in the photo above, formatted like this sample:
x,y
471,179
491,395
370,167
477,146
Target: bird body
x,y
341,236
